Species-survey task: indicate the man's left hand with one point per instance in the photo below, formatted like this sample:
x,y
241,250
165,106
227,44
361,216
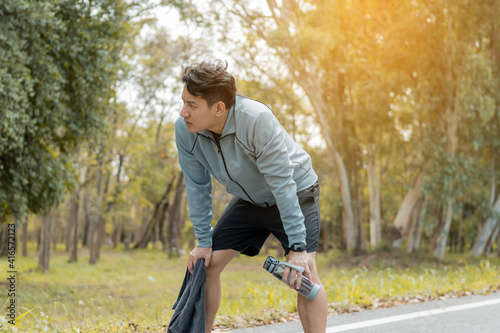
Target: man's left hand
x,y
298,259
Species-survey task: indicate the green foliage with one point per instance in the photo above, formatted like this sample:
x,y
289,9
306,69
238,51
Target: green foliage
x,y
60,61
455,95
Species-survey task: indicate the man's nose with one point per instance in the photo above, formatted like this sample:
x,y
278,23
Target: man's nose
x,y
184,112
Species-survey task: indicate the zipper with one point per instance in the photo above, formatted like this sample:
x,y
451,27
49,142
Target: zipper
x,y
225,167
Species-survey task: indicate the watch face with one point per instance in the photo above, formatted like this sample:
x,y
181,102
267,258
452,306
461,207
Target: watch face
x,y
298,248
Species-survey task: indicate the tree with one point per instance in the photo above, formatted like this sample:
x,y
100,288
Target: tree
x,y
489,231
453,94
60,65
60,60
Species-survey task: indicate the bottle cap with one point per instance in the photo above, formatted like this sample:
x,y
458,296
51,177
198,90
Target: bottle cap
x,y
271,264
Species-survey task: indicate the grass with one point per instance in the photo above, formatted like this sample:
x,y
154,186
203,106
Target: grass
x,y
134,291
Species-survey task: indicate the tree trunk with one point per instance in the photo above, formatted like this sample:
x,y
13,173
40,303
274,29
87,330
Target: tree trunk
x,y
182,222
375,216
174,219
438,228
498,244
117,234
492,239
451,124
94,223
403,217
127,240
25,238
486,232
156,232
39,235
148,230
56,229
443,235
45,243
142,230
349,222
68,227
72,224
4,239
86,220
358,212
100,232
414,225
415,234
53,238
99,236
314,93
158,213
420,228
493,180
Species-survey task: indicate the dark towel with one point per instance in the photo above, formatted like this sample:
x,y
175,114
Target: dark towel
x,y
189,314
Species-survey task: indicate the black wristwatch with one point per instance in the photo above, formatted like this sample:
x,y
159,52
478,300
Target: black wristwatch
x,y
298,247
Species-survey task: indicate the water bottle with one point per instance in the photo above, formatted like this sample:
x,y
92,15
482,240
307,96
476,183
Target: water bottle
x,y
275,267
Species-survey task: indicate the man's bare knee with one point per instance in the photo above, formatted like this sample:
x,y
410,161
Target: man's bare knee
x,y
219,261
213,273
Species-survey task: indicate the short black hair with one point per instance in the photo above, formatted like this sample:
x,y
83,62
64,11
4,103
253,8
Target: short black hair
x,y
210,80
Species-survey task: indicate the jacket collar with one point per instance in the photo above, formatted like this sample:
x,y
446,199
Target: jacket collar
x,y
230,126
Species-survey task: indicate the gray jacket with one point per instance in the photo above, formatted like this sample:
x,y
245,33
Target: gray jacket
x,y
257,161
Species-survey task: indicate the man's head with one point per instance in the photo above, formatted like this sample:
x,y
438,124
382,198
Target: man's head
x,y
211,81
209,92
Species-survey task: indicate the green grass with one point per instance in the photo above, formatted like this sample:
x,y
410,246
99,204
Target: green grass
x,y
134,291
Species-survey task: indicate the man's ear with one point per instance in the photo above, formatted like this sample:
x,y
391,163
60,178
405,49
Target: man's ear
x,y
220,108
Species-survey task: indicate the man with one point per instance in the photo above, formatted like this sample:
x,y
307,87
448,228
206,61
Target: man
x,y
240,143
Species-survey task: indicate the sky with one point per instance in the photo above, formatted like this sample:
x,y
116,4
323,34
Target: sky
x,y
170,19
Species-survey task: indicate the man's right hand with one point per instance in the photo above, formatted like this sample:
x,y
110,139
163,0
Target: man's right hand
x,y
199,253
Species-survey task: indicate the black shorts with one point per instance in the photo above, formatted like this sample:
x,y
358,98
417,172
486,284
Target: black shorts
x,y
244,227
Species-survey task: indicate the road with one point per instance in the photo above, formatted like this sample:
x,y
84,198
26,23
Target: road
x,y
459,315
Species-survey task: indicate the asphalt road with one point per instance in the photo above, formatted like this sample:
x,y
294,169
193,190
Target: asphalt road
x,y
459,315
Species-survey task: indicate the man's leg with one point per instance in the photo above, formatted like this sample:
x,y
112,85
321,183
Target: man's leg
x,y
213,287
313,314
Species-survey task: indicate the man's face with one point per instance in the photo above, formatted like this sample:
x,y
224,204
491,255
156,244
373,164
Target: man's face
x,y
196,113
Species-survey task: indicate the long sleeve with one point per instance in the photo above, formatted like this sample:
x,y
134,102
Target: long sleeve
x,y
198,186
